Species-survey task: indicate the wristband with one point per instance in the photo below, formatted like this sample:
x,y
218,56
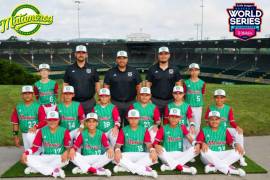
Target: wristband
x,y
117,149
15,133
152,149
194,143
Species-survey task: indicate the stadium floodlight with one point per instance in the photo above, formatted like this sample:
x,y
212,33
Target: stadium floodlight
x,y
78,2
202,6
197,30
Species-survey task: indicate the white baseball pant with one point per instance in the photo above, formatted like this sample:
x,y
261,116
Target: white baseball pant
x,y
152,133
45,164
175,158
28,139
197,116
136,162
95,161
112,139
221,159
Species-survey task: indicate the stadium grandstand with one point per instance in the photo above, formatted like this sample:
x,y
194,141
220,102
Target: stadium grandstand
x,y
220,60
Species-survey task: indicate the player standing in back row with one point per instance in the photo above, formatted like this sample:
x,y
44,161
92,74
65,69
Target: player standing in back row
x,y
194,88
46,90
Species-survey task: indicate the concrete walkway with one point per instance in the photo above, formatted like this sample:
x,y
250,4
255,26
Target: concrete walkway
x,y
257,148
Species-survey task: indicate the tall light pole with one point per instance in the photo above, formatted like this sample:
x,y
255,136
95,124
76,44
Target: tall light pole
x,y
202,6
78,2
197,28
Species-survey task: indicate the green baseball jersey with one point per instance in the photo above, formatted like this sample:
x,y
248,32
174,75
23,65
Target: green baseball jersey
x,y
224,114
28,115
216,140
53,143
146,114
105,117
134,140
173,138
194,95
92,145
46,92
69,115
183,109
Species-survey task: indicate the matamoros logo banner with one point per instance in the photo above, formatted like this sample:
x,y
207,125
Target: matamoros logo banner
x,y
26,20
245,20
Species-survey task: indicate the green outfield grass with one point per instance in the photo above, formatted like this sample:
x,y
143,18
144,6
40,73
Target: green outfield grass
x,y
17,170
250,103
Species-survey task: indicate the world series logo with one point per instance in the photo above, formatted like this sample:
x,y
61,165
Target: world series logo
x,y
26,20
245,20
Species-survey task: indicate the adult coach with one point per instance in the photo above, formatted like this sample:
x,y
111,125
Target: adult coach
x,y
123,82
84,78
162,77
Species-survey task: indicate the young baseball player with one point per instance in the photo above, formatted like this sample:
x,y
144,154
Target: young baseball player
x,y
71,113
28,116
213,139
171,151
227,119
55,141
133,139
194,89
108,116
149,113
46,90
95,152
185,110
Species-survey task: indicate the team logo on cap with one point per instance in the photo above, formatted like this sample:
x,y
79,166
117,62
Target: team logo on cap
x,y
133,113
67,88
245,20
174,111
103,90
52,114
27,88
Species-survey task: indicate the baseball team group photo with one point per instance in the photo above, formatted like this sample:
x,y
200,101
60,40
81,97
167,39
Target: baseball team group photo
x,y
135,107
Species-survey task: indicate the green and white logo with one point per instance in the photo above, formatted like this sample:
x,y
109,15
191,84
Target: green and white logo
x,y
26,20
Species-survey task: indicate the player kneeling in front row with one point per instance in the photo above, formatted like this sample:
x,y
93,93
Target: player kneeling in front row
x,y
134,158
171,152
213,139
94,143
55,141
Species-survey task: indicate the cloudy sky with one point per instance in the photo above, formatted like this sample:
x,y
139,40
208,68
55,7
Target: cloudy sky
x,y
162,19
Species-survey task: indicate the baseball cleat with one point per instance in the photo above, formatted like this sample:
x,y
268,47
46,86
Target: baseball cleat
x,y
27,170
164,167
62,174
192,160
209,169
104,172
241,172
243,162
118,168
76,170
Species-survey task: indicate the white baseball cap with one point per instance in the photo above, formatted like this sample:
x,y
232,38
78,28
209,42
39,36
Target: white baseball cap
x,y
104,91
145,90
175,112
68,89
163,49
133,113
91,115
43,66
52,116
219,92
121,54
81,48
194,65
214,114
27,88
178,89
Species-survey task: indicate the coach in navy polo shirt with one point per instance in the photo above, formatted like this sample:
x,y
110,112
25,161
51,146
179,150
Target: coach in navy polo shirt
x,y
123,82
84,78
162,77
